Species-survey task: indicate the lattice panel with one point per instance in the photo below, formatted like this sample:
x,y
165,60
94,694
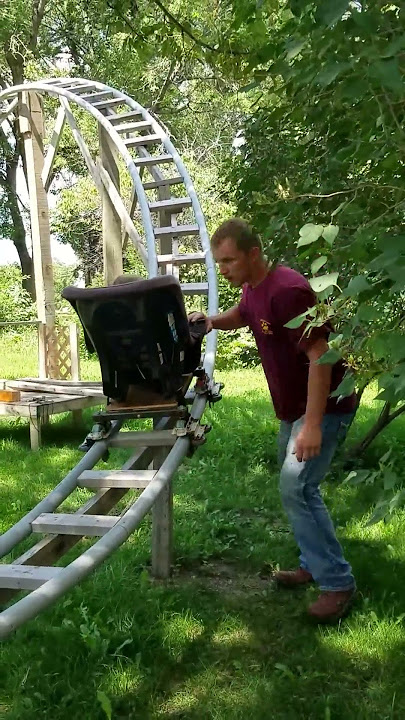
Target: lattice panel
x,y
57,353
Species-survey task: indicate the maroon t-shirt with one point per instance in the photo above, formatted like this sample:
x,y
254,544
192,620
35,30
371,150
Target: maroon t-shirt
x,y
266,308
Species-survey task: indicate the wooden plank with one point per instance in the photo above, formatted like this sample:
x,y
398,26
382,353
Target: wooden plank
x,y
124,214
186,259
53,148
164,182
195,288
111,218
157,438
109,103
80,89
95,97
82,145
26,577
119,117
142,140
134,479
172,204
153,160
74,524
53,387
178,230
131,126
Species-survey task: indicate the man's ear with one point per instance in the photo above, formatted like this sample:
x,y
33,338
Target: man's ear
x,y
255,253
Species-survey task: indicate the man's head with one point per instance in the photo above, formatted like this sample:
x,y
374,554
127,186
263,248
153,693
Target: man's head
x,y
237,249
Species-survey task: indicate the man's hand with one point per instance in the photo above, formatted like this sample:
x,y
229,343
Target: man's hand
x,y
308,442
195,316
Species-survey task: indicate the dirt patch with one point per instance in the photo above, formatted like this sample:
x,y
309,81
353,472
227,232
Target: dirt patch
x,y
225,579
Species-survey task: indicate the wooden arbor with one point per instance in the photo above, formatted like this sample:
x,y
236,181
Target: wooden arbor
x,y
131,143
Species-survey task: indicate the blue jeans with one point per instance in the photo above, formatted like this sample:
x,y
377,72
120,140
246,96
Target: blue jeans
x,y
321,553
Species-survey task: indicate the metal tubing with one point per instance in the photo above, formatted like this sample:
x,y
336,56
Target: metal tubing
x,y
32,604
22,528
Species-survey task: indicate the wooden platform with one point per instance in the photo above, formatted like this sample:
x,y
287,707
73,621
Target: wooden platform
x,y
42,398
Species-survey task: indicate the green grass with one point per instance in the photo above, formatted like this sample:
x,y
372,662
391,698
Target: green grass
x,y
216,642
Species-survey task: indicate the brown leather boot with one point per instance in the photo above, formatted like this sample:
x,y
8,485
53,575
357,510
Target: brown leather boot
x,y
293,578
331,606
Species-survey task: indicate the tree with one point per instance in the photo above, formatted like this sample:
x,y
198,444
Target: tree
x,y
324,152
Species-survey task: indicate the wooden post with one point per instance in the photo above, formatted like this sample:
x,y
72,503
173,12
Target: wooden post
x,y
42,369
162,525
77,415
74,351
32,129
36,427
111,222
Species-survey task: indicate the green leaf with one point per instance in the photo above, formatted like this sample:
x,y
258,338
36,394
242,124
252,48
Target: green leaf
x,y
323,281
329,233
381,511
297,321
330,72
367,313
309,233
330,11
318,263
346,387
356,477
330,357
390,479
105,703
356,285
388,73
294,47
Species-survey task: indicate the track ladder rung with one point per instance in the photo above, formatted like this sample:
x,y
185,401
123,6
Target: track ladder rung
x,y
153,160
73,524
119,117
26,577
140,140
82,89
161,183
174,204
174,230
131,479
185,259
108,103
155,438
131,126
95,97
194,288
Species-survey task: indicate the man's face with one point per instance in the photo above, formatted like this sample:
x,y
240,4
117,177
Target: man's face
x,y
234,265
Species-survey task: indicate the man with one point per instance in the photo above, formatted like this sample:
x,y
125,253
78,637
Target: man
x,y
312,423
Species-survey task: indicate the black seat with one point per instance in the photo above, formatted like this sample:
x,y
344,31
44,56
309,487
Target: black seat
x,y
141,334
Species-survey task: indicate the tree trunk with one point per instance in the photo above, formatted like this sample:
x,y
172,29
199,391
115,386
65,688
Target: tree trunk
x,y
384,419
18,235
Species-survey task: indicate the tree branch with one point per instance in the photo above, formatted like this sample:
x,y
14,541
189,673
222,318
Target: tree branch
x,y
38,10
185,31
163,90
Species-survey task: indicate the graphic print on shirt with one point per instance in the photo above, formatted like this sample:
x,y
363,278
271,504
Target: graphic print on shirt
x,y
266,327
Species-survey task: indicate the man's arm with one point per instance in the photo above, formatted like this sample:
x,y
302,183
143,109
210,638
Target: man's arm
x,y
229,320
309,439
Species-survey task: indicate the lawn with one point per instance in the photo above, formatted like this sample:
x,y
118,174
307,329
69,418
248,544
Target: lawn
x,y
218,641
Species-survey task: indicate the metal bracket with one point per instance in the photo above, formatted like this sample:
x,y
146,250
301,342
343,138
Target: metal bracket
x,y
205,386
99,431
194,430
